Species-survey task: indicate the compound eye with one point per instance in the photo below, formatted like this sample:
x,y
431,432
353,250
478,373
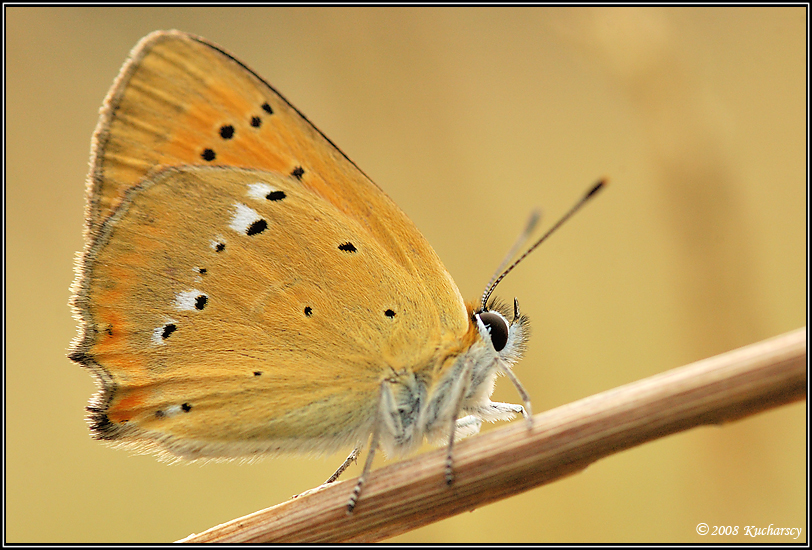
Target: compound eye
x,y
497,328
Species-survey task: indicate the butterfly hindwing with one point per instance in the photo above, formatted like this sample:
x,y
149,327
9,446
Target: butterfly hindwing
x,y
258,305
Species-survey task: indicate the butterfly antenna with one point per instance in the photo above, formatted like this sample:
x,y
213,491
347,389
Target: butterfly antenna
x,y
496,280
535,216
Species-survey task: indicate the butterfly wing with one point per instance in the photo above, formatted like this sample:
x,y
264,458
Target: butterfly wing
x,y
180,100
250,336
299,298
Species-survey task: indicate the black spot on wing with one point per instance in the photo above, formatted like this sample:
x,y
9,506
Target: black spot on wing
x,y
256,227
168,330
227,131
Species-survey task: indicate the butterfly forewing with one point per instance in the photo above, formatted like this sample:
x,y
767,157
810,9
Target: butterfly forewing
x,y
180,100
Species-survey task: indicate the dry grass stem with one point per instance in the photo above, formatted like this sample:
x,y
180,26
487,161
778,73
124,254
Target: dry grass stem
x,y
562,441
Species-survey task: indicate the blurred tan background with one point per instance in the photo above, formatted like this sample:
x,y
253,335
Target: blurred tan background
x,y
467,118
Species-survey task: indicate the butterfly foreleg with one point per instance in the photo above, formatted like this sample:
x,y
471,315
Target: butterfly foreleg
x,y
467,426
527,411
492,412
503,411
461,389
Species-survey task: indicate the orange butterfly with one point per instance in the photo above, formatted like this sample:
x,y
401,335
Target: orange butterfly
x,y
246,290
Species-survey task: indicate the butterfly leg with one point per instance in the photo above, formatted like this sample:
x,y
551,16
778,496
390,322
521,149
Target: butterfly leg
x,y
356,492
462,388
467,426
497,412
527,412
349,460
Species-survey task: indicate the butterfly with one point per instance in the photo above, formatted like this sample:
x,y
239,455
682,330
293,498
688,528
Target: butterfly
x,y
247,290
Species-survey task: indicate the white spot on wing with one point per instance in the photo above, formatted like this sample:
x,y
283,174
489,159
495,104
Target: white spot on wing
x,y
259,190
185,301
172,410
243,218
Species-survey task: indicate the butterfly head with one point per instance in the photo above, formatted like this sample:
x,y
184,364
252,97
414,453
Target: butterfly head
x,y
506,331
